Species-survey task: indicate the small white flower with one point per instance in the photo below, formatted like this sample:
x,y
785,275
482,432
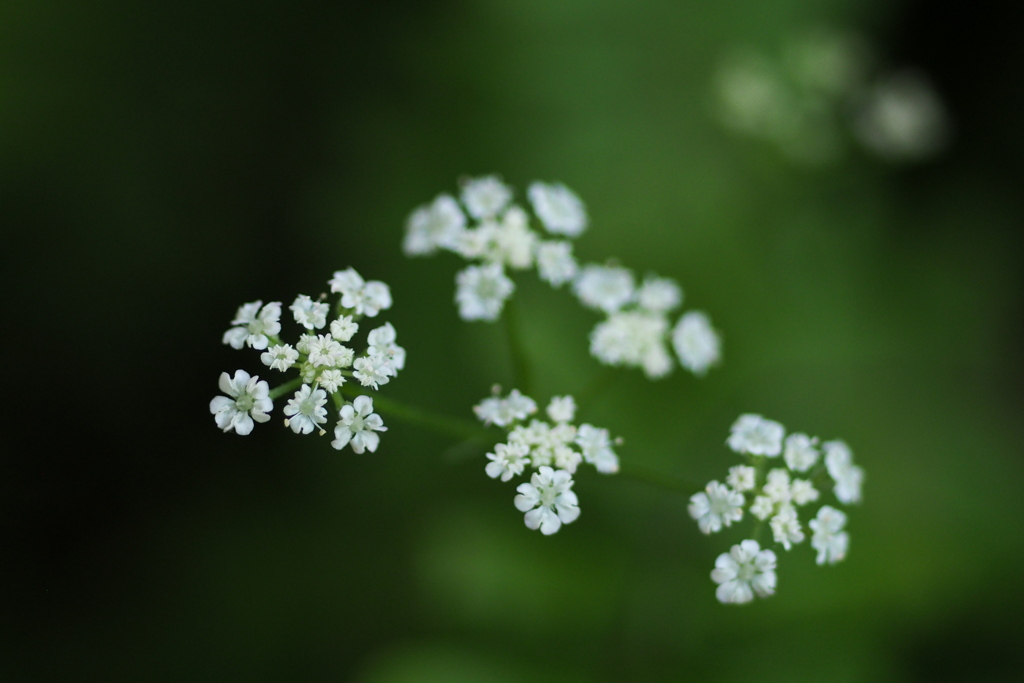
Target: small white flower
x,y
249,400
433,226
330,380
742,478
902,119
344,328
358,426
607,288
829,539
505,411
548,500
306,410
255,325
364,298
372,371
507,460
597,448
555,263
744,571
558,208
562,408
716,506
514,242
325,352
802,492
280,357
755,435
848,477
635,339
565,458
777,486
308,313
763,507
800,452
786,527
482,291
382,342
696,343
485,197
477,243
659,295
304,341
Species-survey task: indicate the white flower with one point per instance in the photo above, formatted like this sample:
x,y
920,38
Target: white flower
x,y
548,500
513,240
255,325
344,328
635,339
507,460
902,119
848,477
744,571
558,208
742,478
763,507
562,408
555,263
777,486
607,288
802,492
364,298
372,371
715,506
482,291
800,452
757,436
565,458
829,539
382,342
505,411
786,527
325,352
597,448
330,380
249,401
358,426
280,357
485,197
433,226
306,410
477,243
308,313
659,295
696,343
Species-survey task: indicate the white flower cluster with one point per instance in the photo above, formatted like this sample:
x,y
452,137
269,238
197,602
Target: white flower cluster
x,y
490,230
637,330
554,449
775,496
821,91
322,358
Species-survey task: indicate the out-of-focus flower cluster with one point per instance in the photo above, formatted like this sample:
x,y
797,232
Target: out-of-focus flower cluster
x,y
824,89
553,449
486,227
776,495
324,359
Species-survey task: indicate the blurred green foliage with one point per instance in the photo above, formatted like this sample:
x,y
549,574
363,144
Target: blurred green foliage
x,y
160,163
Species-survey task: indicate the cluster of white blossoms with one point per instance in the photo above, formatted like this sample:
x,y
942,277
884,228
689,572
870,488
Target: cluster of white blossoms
x,y
776,495
490,230
487,228
553,449
823,90
637,331
322,356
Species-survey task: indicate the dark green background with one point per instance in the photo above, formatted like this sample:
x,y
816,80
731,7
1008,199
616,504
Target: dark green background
x,y
161,163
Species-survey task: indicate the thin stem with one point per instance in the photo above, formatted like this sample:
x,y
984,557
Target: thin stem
x,y
441,424
664,481
287,387
517,353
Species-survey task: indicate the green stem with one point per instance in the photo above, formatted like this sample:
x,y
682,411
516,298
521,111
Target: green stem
x,y
440,424
517,354
287,387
